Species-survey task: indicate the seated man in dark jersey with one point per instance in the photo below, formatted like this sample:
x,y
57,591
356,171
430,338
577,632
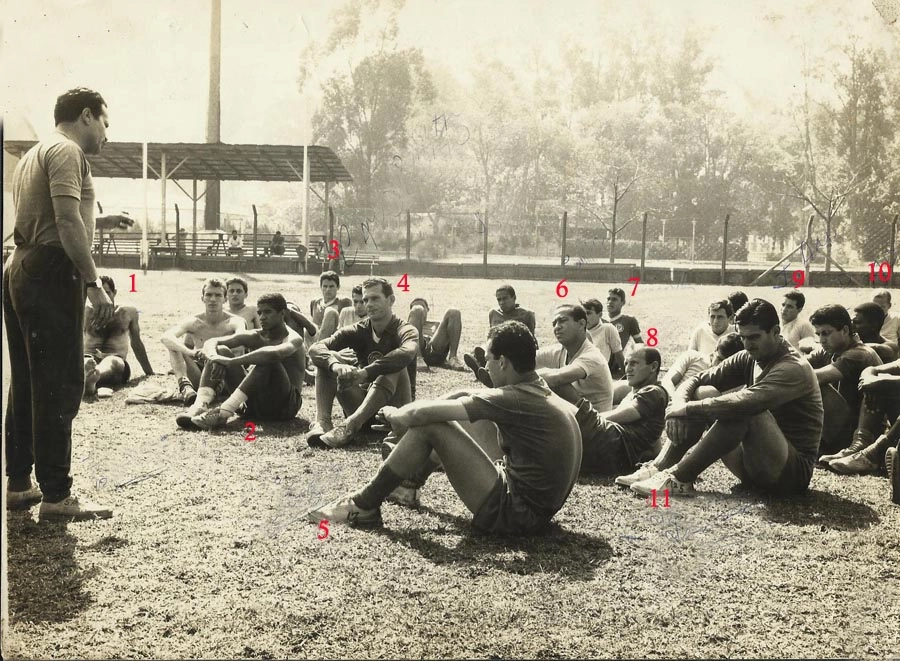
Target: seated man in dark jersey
x,y
507,310
106,347
838,364
270,391
384,345
627,326
512,487
614,441
766,433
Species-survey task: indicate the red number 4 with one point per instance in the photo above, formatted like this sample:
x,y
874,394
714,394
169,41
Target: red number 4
x,y
404,283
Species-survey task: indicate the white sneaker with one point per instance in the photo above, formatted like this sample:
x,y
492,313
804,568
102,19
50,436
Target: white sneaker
x,y
73,509
406,496
662,481
647,469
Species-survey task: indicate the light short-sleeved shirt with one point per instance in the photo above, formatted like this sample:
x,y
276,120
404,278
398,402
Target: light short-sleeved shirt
x,y
688,364
704,340
347,317
597,386
539,436
55,167
605,338
890,329
796,330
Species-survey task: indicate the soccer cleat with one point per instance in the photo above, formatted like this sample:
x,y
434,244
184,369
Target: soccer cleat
x,y
480,356
337,437
471,362
345,511
857,462
484,377
855,446
188,394
892,461
73,509
406,496
183,419
663,480
211,419
316,431
647,469
22,500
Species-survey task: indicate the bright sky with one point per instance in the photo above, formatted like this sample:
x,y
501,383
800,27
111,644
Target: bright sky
x,y
150,60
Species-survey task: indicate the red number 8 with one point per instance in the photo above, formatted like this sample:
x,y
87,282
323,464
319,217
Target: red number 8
x,y
651,337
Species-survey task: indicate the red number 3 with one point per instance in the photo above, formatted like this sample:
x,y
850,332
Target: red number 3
x,y
336,250
251,434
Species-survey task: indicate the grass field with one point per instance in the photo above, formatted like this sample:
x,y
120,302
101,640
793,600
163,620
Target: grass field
x,y
208,558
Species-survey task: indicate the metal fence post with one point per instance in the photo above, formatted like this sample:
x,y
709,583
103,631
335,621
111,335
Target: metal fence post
x,y
565,222
643,244
724,249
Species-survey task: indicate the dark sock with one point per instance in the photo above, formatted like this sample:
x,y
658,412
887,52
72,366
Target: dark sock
x,y
670,455
418,480
373,494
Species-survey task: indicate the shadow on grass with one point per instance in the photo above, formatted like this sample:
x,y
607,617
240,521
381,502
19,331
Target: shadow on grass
x,y
557,551
820,508
45,582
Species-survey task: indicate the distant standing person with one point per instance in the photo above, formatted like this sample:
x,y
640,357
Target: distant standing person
x,y
44,288
106,347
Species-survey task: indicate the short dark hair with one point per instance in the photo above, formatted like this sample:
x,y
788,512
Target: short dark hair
x,y
513,340
729,344
357,289
871,312
386,288
737,298
651,355
885,293
832,315
575,311
758,313
618,291
724,304
330,275
213,282
506,288
239,280
112,283
798,298
274,301
70,104
593,304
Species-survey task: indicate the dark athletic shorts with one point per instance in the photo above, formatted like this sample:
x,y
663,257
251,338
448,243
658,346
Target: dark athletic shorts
x,y
505,513
126,373
606,449
794,478
432,357
267,408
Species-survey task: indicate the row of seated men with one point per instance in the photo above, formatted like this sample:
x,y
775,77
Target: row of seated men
x,y
759,409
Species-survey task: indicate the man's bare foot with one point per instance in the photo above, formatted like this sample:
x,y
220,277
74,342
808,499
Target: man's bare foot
x,y
91,376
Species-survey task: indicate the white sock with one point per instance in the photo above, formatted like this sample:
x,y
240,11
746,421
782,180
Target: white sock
x,y
234,401
205,395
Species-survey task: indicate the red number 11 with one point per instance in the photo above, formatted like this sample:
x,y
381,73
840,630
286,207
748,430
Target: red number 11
x,y
653,497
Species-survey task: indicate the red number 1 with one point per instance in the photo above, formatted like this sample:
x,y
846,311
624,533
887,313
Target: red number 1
x,y
133,288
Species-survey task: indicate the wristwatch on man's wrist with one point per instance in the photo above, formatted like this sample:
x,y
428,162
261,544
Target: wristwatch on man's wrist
x,y
94,283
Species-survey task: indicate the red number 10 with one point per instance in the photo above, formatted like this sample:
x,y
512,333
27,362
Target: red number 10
x,y
881,272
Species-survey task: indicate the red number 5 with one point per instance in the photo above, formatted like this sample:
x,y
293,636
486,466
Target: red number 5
x,y
323,529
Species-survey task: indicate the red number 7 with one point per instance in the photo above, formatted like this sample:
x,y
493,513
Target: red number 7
x,y
636,282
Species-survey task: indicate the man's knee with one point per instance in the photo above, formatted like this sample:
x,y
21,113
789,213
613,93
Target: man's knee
x,y
417,316
454,315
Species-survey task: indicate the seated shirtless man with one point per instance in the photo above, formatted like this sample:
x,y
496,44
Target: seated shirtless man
x,y
188,361
438,341
106,347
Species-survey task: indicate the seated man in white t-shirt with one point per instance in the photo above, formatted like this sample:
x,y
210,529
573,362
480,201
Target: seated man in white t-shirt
x,y
799,333
575,360
603,334
890,329
720,321
690,363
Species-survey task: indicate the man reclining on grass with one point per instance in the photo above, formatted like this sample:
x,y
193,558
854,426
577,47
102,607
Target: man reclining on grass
x,y
767,433
270,390
540,443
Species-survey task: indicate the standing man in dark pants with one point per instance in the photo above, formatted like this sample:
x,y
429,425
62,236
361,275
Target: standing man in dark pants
x,y
44,289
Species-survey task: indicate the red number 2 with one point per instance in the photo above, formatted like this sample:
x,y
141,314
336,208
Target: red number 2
x,y
336,248
251,434
404,283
